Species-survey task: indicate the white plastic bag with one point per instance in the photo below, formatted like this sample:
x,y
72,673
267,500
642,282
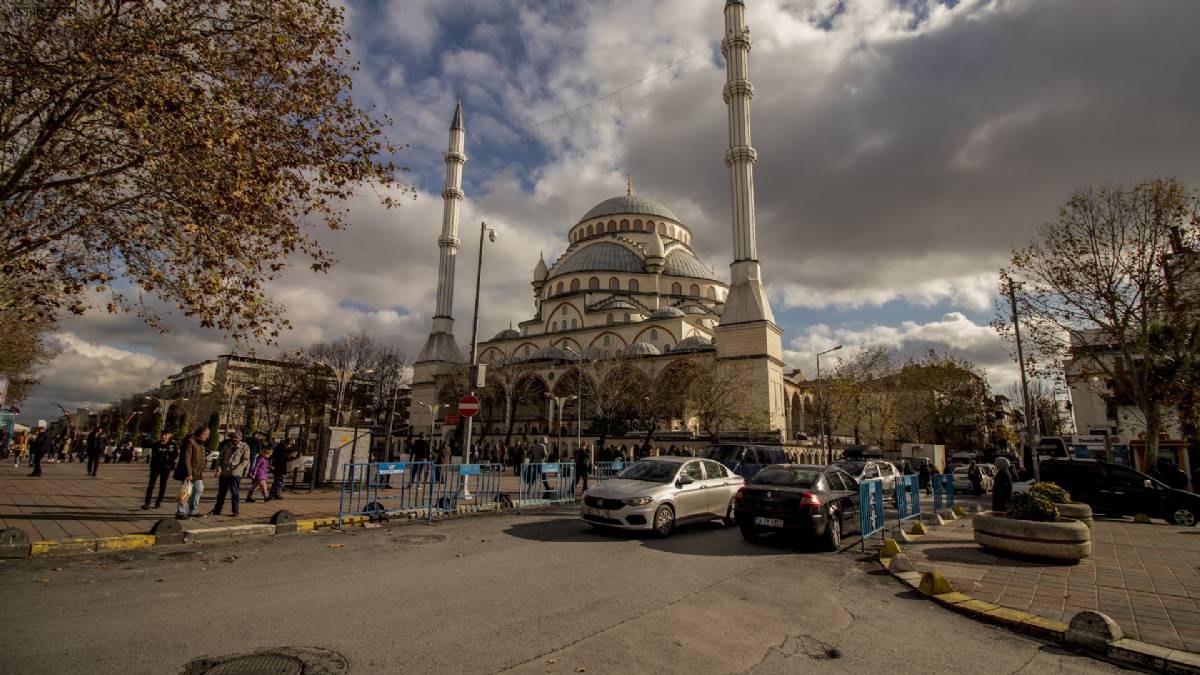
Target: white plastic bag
x,y
185,491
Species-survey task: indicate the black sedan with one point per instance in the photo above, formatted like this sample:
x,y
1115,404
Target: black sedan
x,y
802,499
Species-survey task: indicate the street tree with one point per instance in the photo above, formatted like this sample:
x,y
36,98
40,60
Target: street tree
x,y
185,150
1093,283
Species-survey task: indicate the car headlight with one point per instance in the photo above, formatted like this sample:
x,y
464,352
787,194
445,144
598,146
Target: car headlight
x,y
638,501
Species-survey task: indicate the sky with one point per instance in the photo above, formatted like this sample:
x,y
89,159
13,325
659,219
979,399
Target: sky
x,y
905,148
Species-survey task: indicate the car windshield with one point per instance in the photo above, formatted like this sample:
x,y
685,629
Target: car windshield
x,y
722,453
962,470
852,468
786,475
650,471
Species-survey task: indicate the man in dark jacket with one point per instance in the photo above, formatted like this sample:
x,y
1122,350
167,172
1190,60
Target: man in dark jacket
x,y
39,447
232,460
94,446
284,453
419,453
162,460
190,469
583,467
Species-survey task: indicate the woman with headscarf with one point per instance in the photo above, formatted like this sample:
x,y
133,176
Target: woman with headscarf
x,y
1002,487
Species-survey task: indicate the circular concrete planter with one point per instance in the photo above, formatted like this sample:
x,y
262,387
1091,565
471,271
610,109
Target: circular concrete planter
x,y
1062,540
1076,511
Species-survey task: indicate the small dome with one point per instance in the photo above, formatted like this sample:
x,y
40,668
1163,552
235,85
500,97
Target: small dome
x,y
507,334
551,354
694,343
629,204
695,309
640,348
666,313
681,263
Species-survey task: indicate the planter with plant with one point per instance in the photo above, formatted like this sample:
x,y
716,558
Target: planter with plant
x,y
1062,501
1033,527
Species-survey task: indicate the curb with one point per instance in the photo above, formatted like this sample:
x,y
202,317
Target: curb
x,y
1121,651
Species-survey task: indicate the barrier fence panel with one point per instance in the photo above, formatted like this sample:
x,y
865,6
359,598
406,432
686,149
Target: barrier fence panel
x,y
607,470
943,492
548,483
870,511
447,483
375,488
908,498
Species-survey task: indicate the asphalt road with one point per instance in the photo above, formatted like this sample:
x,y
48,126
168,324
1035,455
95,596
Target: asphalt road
x,y
530,594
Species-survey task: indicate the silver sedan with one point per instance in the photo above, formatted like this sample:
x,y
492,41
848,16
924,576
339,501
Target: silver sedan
x,y
659,493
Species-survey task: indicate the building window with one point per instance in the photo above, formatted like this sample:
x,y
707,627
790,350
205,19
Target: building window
x,y
624,225
559,288
610,318
712,293
564,310
526,350
553,325
574,284
676,289
626,317
594,283
633,285
694,290
612,226
607,340
637,225
574,323
590,231
614,284
654,335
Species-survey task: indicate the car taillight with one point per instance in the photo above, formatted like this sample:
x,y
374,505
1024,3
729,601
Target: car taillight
x,y
809,499
740,495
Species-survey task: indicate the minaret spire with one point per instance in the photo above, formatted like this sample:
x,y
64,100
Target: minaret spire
x,y
441,345
747,299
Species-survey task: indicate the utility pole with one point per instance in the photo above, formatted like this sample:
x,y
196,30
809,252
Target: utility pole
x,y
1029,420
473,370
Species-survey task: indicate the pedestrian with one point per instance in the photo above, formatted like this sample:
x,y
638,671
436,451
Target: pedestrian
x,y
162,460
537,456
1002,487
190,473
281,456
259,471
420,458
975,476
583,467
518,458
923,476
907,469
94,446
232,456
21,449
39,447
441,462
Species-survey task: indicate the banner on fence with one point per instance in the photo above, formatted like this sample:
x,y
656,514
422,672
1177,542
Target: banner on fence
x,y
908,498
870,502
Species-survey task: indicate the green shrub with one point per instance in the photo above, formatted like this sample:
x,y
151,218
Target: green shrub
x,y
1032,506
1051,491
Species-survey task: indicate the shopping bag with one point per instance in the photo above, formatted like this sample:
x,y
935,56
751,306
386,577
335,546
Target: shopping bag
x,y
185,491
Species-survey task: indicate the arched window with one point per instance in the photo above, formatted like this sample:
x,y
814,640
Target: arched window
x,y
712,293
574,284
610,319
558,289
593,283
633,285
564,310
662,228
676,289
526,350
590,231
626,317
614,284
637,225
608,338
574,323
612,226
654,335
553,325
694,290
624,225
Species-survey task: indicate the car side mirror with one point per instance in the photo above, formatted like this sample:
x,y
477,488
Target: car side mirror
x,y
1148,484
684,480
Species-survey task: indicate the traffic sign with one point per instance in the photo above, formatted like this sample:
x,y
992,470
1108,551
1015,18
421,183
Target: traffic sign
x,y
468,406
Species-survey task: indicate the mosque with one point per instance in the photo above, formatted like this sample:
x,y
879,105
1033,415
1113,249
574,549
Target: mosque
x,y
629,286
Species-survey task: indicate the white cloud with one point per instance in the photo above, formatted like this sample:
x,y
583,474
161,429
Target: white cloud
x,y
86,374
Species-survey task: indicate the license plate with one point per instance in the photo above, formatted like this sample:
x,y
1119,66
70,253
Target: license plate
x,y
600,512
768,522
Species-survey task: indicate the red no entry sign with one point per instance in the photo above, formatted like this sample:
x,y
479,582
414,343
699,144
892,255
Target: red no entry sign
x,y
468,406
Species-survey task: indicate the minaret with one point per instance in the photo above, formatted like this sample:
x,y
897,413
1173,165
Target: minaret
x,y
747,340
441,345
747,298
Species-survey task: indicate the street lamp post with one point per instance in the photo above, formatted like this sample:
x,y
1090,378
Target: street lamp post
x,y
343,377
579,405
164,406
821,396
433,409
560,401
485,230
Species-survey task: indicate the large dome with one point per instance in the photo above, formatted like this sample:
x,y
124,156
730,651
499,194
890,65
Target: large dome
x,y
624,204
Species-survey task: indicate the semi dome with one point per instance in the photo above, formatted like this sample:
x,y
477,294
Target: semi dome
x,y
629,204
640,348
694,343
680,263
666,313
601,256
507,334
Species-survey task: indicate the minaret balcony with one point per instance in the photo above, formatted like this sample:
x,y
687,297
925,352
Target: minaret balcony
x,y
449,242
737,88
452,193
741,153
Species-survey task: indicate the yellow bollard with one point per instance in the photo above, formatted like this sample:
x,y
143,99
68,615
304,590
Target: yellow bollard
x,y
890,548
935,583
919,528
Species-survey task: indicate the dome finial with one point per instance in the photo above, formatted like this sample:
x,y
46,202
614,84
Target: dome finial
x,y
629,185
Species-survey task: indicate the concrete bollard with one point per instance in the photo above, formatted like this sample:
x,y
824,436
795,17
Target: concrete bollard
x,y
167,531
919,528
890,548
948,516
14,543
284,522
937,520
902,538
900,563
1092,630
935,583
959,512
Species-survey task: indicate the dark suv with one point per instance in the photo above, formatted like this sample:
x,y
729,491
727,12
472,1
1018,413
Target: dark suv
x,y
744,459
1118,490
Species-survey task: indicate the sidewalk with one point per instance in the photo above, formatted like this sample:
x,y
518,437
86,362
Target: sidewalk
x,y
1146,577
66,503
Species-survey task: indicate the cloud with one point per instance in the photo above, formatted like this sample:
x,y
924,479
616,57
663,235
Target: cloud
x,y
86,374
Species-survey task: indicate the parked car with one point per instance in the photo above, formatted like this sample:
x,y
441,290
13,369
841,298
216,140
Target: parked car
x,y
811,501
212,458
659,493
987,474
861,470
744,459
1117,490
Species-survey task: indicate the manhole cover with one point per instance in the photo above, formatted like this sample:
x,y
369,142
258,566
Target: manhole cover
x,y
259,664
418,539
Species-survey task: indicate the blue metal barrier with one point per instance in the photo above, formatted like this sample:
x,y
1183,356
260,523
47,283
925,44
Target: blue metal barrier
x,y
607,470
908,499
943,492
547,483
870,509
378,488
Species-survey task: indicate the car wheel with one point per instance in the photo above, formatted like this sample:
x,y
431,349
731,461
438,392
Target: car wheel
x,y
664,520
731,513
1184,517
749,532
833,533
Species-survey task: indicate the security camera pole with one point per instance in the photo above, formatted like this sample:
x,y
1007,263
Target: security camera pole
x,y
475,375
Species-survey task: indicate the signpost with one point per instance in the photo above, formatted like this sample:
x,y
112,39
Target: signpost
x,y
468,407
